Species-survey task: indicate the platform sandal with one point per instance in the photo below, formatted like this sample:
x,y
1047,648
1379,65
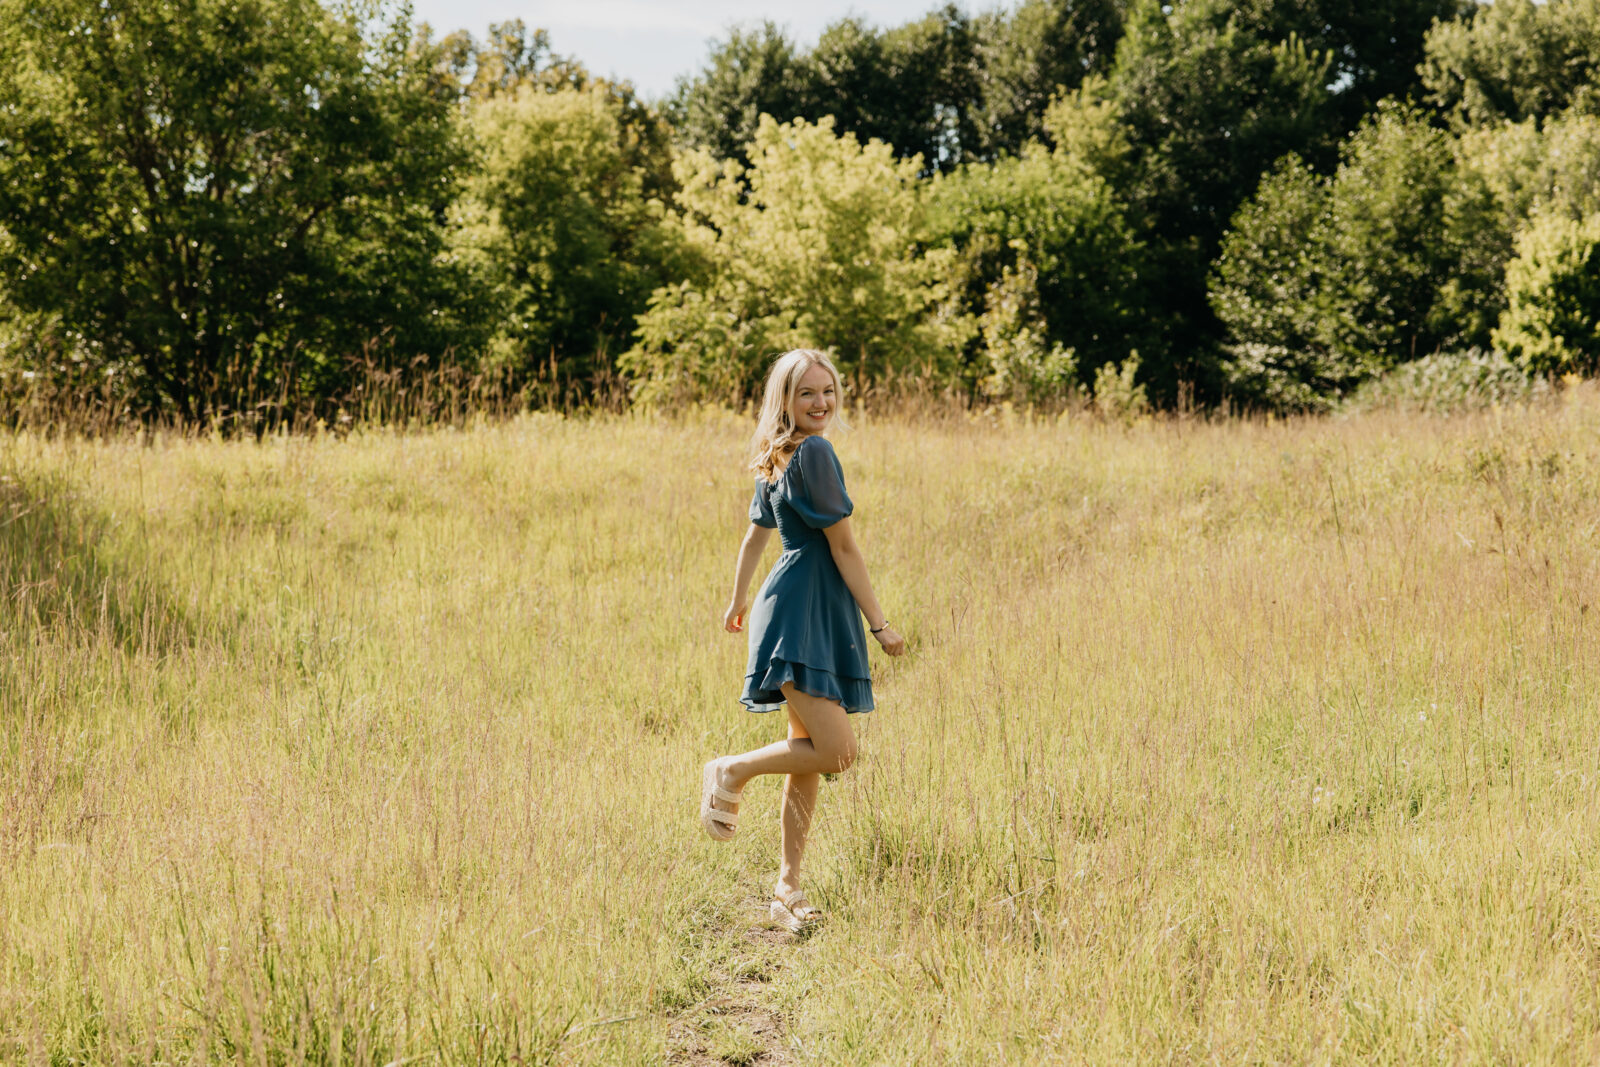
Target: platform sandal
x,y
793,911
719,824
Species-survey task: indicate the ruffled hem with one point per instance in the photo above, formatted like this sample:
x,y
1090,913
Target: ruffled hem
x,y
765,692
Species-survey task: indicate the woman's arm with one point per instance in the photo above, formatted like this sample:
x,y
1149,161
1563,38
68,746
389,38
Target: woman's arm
x,y
755,543
853,567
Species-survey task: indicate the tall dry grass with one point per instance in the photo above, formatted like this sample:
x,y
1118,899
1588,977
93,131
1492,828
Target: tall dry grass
x,y
1218,741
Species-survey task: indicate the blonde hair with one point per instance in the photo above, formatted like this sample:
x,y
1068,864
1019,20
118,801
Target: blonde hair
x,y
775,438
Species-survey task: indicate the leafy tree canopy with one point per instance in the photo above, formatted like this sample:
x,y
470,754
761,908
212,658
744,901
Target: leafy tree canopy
x,y
215,197
948,87
1204,104
559,224
1027,56
1044,248
1373,49
1538,167
1515,59
756,71
1325,281
1552,322
1209,103
813,243
513,59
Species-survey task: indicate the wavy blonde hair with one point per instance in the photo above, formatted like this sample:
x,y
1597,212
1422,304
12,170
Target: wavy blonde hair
x,y
775,438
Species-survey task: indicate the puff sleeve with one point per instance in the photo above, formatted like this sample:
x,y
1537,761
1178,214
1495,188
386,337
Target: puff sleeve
x,y
761,508
817,489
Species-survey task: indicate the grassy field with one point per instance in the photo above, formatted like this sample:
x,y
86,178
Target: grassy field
x,y
1217,742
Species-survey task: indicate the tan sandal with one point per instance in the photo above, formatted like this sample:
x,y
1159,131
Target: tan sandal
x,y
793,911
720,825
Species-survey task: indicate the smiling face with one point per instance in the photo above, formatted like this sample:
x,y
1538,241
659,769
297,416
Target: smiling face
x,y
814,400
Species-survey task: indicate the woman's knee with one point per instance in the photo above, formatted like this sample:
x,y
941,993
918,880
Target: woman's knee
x,y
842,752
837,747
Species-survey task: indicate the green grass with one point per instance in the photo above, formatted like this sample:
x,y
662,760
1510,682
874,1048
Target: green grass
x,y
1235,741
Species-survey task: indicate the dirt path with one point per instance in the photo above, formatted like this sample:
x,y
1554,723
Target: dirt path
x,y
735,1022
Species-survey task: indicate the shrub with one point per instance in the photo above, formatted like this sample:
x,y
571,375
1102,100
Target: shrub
x,y
1024,365
1116,394
1279,378
1551,324
1448,382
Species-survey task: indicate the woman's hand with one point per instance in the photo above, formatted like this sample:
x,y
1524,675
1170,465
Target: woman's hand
x,y
892,642
733,618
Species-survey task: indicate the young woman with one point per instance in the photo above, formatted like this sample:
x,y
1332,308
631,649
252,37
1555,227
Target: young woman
x,y
807,646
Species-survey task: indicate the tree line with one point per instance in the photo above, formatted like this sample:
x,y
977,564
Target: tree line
x,y
209,204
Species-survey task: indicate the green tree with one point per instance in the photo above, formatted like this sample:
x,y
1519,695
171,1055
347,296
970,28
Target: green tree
x,y
512,59
1515,60
1550,165
220,197
1206,104
947,87
509,58
1390,213
1271,287
558,223
754,72
1322,282
847,76
1209,104
1042,239
1551,324
1373,49
1507,175
1029,55
814,243
910,87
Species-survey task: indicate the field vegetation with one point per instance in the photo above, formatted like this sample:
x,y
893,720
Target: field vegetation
x,y
1218,740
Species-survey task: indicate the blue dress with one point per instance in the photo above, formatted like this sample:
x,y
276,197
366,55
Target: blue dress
x,y
805,627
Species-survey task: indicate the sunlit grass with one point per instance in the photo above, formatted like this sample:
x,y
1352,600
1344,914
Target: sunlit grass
x,y
1217,741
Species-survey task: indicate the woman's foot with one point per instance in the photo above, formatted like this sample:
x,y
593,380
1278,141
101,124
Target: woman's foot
x,y
719,804
791,909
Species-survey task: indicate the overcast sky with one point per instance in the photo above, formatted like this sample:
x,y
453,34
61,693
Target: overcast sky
x,y
651,42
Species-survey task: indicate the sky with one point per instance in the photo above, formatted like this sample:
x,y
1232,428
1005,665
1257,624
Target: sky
x,y
651,42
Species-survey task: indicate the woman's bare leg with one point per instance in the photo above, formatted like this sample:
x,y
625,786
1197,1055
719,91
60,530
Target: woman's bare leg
x,y
799,801
827,744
